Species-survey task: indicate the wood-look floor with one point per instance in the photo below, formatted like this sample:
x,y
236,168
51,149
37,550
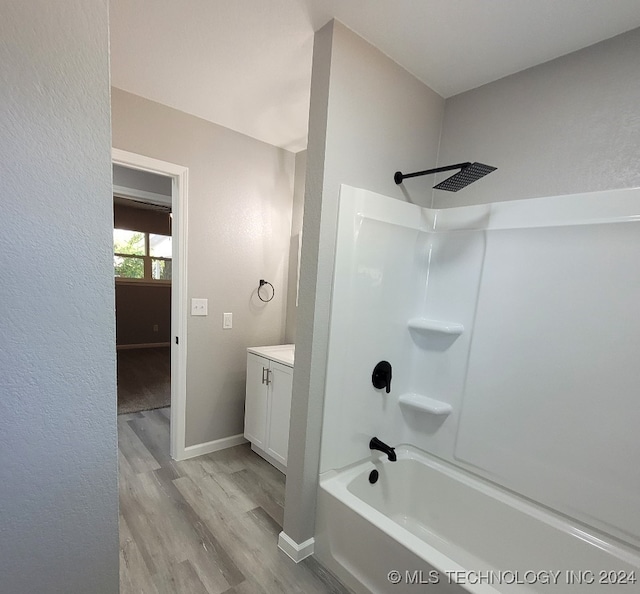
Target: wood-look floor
x,y
208,525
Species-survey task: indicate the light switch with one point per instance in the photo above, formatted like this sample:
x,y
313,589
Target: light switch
x,y
199,307
227,320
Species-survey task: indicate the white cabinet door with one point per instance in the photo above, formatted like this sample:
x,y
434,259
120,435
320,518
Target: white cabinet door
x,y
255,407
280,388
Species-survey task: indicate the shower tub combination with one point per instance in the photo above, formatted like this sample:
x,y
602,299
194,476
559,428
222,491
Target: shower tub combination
x,y
427,526
512,330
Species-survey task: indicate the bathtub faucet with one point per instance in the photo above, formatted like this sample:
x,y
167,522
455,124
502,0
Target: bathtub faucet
x,y
376,444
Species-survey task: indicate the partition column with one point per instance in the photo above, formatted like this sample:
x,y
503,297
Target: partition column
x,y
368,118
313,312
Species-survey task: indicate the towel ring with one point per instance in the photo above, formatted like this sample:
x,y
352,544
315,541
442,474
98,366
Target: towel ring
x,y
273,291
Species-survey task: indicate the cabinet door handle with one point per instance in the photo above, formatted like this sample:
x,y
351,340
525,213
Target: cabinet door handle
x,y
268,372
263,375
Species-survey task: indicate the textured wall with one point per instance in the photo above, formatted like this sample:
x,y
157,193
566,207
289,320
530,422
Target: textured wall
x,y
239,224
360,132
58,456
568,126
294,246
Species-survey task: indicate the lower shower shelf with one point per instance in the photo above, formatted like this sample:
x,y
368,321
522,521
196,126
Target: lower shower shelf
x,y
438,326
425,404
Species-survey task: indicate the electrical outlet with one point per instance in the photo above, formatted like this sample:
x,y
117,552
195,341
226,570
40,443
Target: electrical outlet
x,y
155,327
199,307
227,321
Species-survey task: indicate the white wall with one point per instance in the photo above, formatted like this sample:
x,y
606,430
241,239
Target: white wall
x,y
58,446
570,125
239,225
368,118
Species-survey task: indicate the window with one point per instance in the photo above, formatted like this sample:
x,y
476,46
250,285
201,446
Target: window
x,y
143,256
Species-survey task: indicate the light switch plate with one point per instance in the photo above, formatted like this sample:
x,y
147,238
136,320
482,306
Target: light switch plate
x,y
199,307
227,320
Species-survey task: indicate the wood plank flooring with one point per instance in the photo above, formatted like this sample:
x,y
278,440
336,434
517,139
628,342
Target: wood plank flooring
x,y
208,525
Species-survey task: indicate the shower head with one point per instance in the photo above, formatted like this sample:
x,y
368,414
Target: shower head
x,y
464,177
469,172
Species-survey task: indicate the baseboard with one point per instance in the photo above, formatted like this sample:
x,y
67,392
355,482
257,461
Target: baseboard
x,y
212,446
147,345
297,552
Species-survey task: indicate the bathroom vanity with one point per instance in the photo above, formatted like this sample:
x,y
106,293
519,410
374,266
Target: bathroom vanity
x,y
268,401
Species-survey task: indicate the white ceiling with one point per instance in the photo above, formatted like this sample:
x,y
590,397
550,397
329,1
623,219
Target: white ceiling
x,y
246,64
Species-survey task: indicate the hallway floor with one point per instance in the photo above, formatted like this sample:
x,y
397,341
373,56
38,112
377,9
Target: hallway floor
x,y
144,379
208,525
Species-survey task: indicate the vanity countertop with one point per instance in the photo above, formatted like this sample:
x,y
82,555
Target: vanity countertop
x,y
282,353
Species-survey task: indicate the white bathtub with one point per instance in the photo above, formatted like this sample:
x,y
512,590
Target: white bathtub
x,y
445,530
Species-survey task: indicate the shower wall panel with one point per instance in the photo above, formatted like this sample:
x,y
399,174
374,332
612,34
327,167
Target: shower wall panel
x,y
551,401
513,332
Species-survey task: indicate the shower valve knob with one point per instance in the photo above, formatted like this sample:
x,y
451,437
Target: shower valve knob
x,y
381,377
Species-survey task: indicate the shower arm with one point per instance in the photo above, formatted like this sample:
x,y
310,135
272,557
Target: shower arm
x,y
399,176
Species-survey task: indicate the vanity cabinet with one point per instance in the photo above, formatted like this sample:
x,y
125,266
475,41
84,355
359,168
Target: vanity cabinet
x,y
268,403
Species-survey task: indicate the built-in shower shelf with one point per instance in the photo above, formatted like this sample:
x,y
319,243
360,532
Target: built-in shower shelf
x,y
437,326
425,404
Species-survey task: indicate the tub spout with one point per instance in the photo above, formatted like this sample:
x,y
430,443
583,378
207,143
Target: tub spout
x,y
376,444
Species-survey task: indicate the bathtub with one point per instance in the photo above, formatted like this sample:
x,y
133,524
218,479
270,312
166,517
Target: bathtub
x,y
426,526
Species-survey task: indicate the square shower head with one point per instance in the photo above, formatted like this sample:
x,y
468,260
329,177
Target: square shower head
x,y
464,177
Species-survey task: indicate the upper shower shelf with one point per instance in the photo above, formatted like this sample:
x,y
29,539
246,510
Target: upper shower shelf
x,y
437,326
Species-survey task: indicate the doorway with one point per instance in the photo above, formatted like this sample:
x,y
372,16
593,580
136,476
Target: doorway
x,y
142,262
151,264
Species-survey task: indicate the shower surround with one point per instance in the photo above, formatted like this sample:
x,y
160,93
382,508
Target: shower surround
x,y
513,334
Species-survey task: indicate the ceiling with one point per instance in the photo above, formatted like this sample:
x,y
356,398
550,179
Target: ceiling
x,y
246,64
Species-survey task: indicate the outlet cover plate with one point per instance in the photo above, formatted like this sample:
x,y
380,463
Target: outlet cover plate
x,y
199,307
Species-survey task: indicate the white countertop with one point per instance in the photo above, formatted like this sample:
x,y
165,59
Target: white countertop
x,y
282,353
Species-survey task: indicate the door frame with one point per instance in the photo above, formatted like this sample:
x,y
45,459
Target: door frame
x,y
179,192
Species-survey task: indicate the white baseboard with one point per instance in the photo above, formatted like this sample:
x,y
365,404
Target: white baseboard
x,y
146,345
212,446
297,552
